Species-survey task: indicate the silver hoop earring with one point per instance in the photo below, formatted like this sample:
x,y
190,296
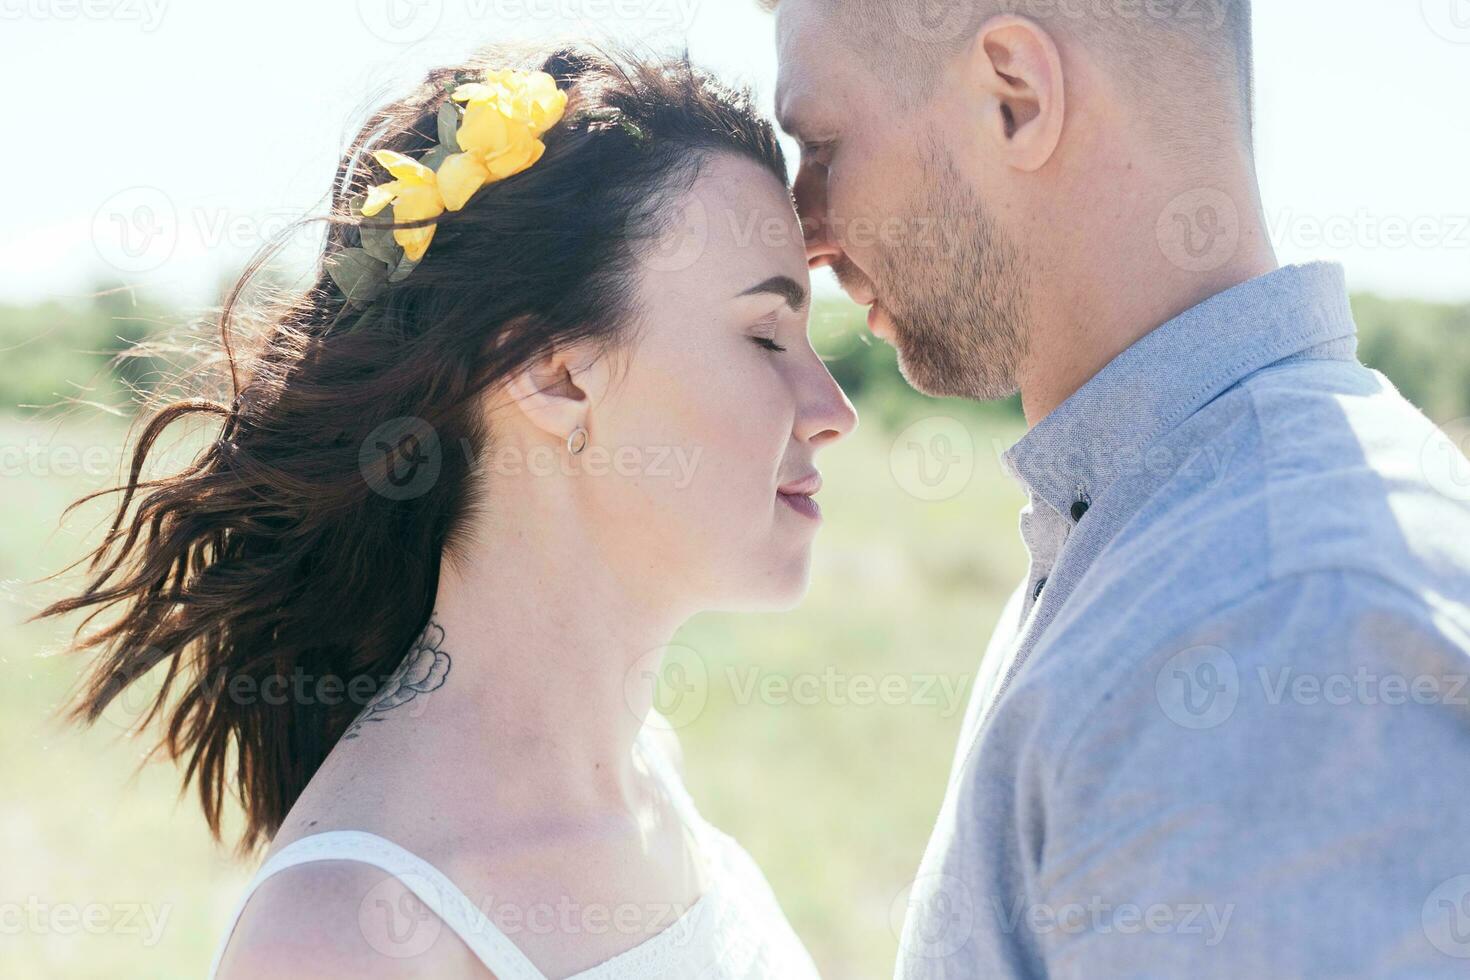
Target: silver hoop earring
x,y
577,441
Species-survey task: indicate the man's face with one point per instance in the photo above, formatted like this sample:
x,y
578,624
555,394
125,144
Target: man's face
x,y
885,204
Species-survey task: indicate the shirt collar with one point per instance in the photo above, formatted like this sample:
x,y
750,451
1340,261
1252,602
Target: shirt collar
x,y
1106,428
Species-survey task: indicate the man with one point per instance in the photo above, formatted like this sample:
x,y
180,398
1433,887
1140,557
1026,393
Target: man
x,y
1222,727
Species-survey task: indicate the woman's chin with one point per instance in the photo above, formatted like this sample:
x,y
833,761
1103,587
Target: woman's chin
x,y
780,590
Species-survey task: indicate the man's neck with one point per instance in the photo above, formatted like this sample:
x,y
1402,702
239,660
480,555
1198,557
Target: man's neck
x,y
1078,330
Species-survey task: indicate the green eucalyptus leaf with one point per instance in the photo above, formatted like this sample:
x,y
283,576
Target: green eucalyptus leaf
x,y
402,271
377,238
435,157
449,127
360,276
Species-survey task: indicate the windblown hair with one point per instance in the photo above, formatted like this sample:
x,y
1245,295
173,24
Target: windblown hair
x,y
286,554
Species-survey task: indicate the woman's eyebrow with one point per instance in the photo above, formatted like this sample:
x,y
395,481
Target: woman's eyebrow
x,y
793,292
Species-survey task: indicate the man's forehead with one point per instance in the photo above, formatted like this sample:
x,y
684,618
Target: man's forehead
x,y
808,56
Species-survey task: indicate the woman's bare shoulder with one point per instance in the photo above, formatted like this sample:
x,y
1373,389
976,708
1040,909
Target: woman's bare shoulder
x,y
331,919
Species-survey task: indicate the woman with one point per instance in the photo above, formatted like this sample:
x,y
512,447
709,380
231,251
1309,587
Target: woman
x,y
550,396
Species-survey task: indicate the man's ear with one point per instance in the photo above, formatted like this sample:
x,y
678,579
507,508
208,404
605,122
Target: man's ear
x,y
557,392
1019,71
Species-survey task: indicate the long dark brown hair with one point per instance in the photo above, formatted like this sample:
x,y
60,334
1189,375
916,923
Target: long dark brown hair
x,y
288,551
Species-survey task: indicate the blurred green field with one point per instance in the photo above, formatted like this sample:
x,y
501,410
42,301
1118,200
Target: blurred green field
x,y
831,785
823,744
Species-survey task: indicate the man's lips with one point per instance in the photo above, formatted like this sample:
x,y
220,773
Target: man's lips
x,y
879,323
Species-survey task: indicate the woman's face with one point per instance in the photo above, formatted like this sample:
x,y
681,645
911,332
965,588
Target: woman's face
x,y
719,403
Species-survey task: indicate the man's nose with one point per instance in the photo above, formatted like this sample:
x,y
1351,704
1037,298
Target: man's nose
x,y
822,248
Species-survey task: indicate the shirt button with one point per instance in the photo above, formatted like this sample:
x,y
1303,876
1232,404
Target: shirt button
x,y
1079,510
1039,586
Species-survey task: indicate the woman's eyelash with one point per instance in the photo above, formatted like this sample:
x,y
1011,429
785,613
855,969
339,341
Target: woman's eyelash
x,y
769,344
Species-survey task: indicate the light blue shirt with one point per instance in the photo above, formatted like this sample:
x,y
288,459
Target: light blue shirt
x,y
1223,727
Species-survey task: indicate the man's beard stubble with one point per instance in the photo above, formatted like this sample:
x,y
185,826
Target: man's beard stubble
x,y
955,287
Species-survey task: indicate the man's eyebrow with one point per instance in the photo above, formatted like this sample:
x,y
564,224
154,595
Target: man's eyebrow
x,y
793,292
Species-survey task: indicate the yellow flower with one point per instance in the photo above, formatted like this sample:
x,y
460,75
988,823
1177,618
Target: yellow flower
x,y
414,195
460,175
528,96
499,136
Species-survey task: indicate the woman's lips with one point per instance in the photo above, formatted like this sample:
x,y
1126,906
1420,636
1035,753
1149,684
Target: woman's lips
x,y
802,504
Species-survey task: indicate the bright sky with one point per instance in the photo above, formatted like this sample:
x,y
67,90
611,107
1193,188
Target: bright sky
x,y
160,140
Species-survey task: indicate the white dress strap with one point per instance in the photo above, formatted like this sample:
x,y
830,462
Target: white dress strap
x,y
428,883
662,768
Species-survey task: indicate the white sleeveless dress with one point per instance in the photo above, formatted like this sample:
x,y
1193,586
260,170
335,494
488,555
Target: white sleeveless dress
x,y
734,931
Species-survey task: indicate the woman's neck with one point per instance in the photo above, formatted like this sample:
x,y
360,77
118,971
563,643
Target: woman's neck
x,y
551,671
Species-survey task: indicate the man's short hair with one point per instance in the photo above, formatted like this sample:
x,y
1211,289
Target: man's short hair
x,y
1190,56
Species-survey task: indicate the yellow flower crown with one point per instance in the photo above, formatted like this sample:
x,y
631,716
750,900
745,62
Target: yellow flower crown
x,y
497,135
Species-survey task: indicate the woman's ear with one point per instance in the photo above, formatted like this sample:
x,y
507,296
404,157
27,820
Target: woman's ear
x,y
1018,68
557,392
